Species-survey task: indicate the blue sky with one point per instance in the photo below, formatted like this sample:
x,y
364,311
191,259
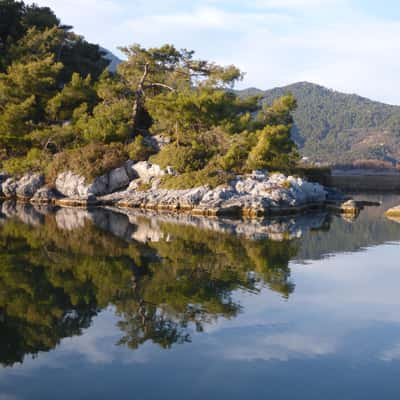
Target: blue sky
x,y
347,45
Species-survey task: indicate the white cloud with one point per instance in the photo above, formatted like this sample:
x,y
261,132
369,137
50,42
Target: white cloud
x,y
392,354
280,347
275,41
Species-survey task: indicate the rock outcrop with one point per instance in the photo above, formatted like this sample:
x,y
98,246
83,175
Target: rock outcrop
x,y
137,185
23,188
73,185
254,195
28,185
9,188
146,172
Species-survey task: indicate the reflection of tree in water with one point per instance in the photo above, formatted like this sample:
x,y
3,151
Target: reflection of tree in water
x,y
52,282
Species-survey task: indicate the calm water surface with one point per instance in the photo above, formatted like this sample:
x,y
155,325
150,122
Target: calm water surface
x,y
99,305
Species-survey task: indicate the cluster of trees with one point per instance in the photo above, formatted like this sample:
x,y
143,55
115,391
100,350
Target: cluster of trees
x,y
52,283
333,127
57,97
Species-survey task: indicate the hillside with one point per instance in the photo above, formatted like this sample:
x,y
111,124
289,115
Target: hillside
x,y
114,60
336,127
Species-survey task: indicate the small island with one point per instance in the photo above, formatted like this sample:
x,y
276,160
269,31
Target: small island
x,y
164,131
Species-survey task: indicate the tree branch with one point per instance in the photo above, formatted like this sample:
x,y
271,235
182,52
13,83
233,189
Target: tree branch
x,y
155,84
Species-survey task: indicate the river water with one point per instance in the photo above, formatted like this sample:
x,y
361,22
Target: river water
x,y
101,304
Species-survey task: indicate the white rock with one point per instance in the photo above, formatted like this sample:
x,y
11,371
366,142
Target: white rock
x,y
9,187
73,185
259,174
194,196
118,178
171,171
28,185
146,171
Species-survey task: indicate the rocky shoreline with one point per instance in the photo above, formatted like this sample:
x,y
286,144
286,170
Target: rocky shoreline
x,y
254,195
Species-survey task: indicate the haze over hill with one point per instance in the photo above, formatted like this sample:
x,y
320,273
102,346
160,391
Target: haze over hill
x,y
336,127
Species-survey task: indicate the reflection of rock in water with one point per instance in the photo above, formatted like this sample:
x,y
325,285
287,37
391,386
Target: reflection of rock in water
x,y
146,226
149,225
72,218
25,212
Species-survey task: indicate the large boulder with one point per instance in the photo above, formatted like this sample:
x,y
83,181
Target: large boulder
x,y
146,172
9,187
28,185
70,184
120,178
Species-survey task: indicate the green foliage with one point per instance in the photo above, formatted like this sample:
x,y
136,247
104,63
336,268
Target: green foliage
x,y
274,150
139,150
34,161
14,125
16,18
238,152
91,161
208,176
109,122
179,114
54,138
183,158
73,95
45,78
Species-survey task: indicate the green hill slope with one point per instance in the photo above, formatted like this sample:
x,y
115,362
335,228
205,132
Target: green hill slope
x,y
336,127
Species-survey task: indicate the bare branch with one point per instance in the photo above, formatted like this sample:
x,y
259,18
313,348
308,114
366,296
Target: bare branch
x,y
155,84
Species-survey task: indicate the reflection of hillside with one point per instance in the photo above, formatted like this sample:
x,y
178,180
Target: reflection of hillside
x,y
57,270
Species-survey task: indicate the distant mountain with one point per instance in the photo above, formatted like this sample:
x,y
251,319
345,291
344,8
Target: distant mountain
x,y
335,127
114,60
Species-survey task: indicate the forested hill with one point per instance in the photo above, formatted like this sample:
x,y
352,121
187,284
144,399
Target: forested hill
x,y
335,127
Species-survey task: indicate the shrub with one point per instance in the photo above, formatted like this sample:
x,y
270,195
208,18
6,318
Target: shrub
x,y
139,150
34,161
90,161
207,176
274,150
183,158
108,123
235,158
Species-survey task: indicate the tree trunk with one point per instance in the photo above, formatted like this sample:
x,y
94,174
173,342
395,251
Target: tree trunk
x,y
139,102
